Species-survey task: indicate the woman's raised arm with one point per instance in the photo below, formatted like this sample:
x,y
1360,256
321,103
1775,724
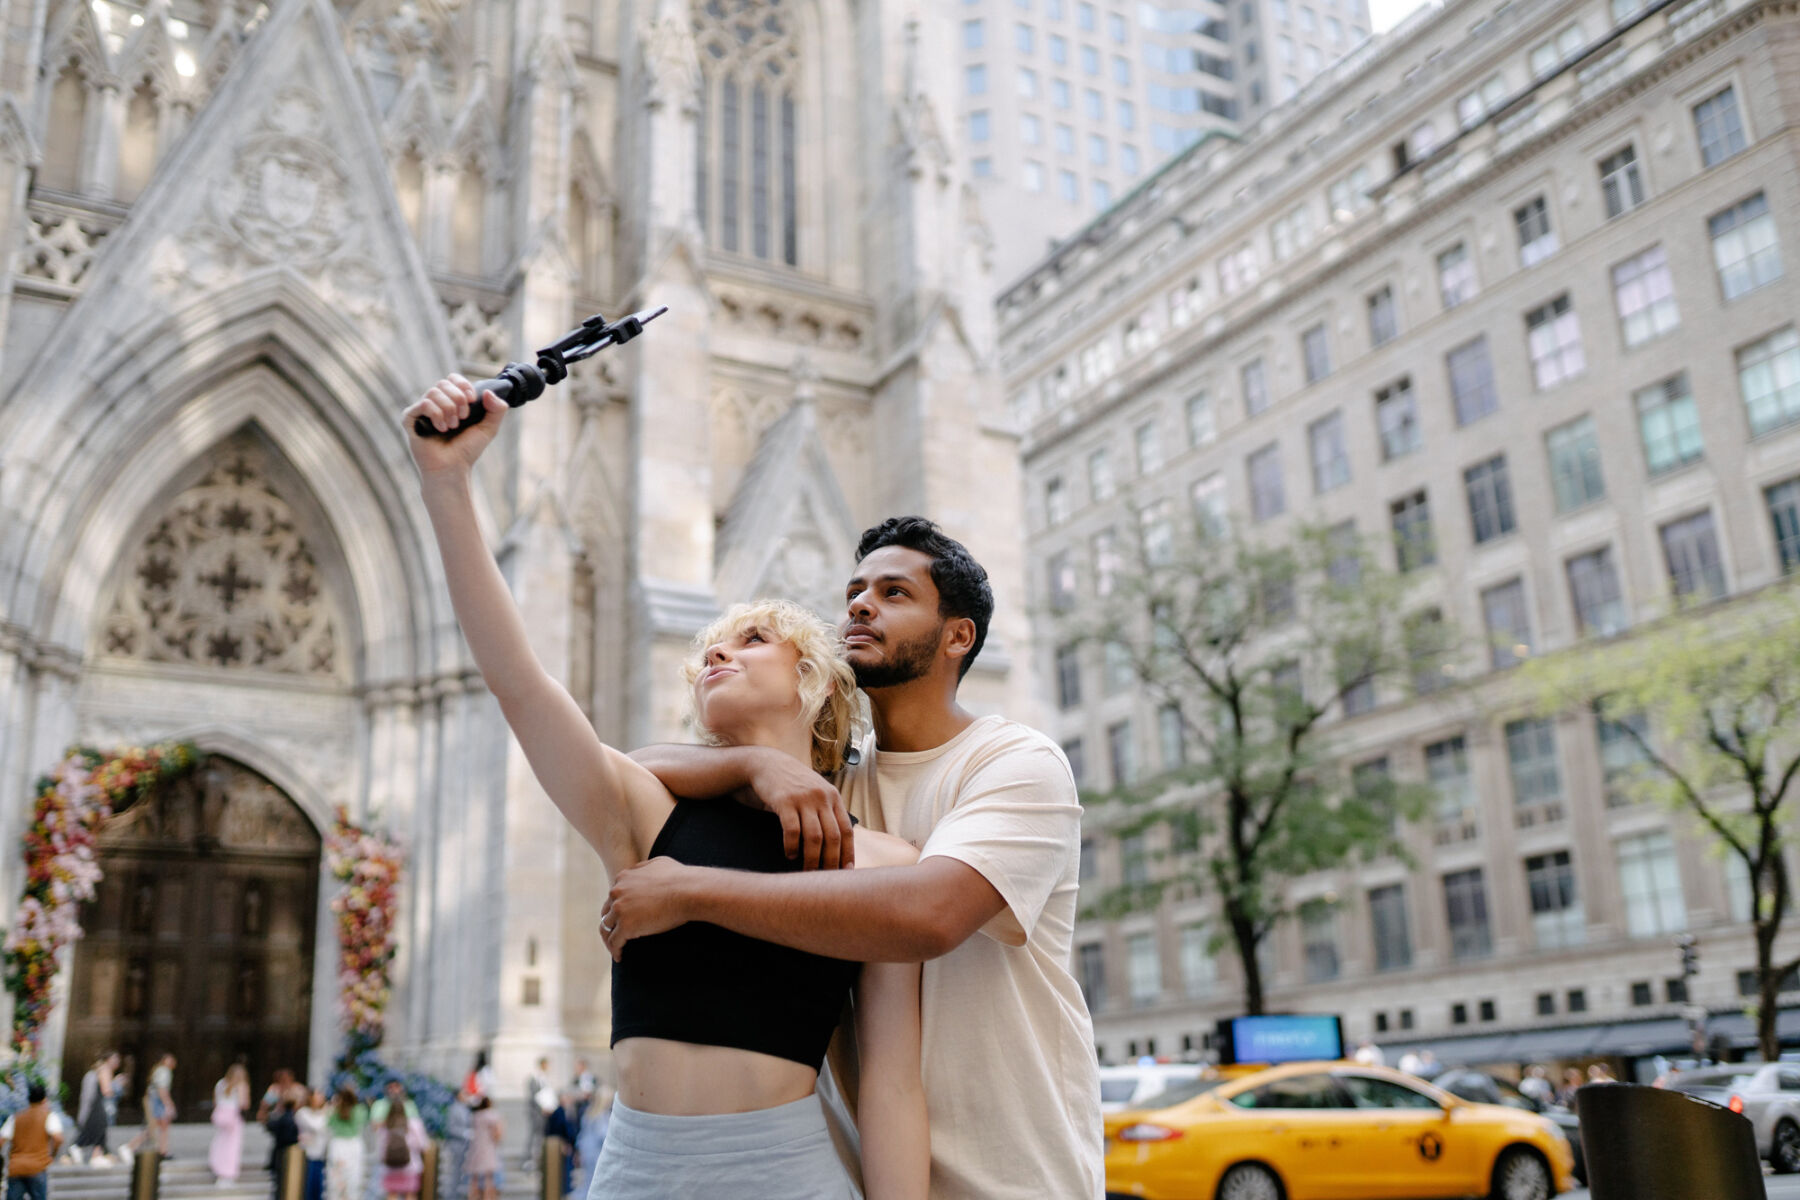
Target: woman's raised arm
x,y
611,801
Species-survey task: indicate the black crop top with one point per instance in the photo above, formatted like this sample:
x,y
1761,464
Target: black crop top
x,y
707,985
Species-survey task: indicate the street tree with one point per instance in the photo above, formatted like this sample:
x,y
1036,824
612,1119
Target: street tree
x,y
1249,651
1703,714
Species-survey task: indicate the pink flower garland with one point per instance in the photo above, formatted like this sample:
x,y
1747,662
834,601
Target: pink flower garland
x,y
368,864
60,867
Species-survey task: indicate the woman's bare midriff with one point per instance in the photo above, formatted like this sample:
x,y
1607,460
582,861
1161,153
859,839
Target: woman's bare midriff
x,y
680,1079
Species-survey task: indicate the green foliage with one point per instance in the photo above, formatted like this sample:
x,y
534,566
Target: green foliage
x,y
1254,649
1706,710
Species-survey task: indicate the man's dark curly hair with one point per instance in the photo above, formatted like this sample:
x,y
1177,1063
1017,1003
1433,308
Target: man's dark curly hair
x,y
961,582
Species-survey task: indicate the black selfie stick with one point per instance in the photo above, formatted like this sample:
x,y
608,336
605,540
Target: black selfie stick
x,y
519,382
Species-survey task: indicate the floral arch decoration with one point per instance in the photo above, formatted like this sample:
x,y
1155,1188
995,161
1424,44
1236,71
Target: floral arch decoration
x,y
368,863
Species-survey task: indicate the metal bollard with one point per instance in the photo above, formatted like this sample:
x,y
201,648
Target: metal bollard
x,y
428,1182
554,1149
146,1174
293,1173
1644,1143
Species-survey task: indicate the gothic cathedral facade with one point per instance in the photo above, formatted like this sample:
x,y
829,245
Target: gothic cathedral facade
x,y
239,238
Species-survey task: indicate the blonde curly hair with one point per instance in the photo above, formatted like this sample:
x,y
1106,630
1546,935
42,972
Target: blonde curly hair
x,y
827,685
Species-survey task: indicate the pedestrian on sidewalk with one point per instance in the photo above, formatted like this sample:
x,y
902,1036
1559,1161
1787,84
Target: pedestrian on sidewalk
x,y
311,1118
231,1101
403,1141
93,1114
159,1110
284,1132
540,1102
279,1084
457,1125
486,1132
31,1137
344,1146
590,1139
560,1124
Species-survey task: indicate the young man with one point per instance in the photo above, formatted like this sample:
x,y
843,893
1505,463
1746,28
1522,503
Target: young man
x,y
1009,1069
31,1136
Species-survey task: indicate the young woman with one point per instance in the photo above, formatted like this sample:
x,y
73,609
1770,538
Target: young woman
x,y
231,1097
718,1038
311,1117
344,1126
402,1147
93,1116
486,1130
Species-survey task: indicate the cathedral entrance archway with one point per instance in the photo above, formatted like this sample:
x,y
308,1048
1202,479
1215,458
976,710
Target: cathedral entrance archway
x,y
199,939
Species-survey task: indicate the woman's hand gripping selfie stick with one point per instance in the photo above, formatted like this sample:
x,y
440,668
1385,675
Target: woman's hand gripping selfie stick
x,y
519,382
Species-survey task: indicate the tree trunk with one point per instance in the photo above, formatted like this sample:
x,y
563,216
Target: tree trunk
x,y
1243,933
1768,989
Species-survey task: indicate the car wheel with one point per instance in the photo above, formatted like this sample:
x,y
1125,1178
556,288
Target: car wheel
x,y
1522,1175
1784,1148
1249,1181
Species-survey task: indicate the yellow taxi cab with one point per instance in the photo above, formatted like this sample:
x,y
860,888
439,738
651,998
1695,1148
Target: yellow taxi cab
x,y
1330,1131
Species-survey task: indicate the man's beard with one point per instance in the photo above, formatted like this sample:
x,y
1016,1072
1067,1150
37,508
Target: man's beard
x,y
909,661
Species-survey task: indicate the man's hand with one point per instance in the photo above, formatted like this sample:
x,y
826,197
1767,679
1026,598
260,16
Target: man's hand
x,y
645,899
815,825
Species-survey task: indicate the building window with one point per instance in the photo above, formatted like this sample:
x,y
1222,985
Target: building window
x,y
1508,626
1393,937
1120,755
1720,127
1746,248
1622,754
1059,49
1032,175
1062,96
1090,60
1456,276
1145,968
978,126
1318,935
1621,183
1426,645
1237,270
1068,676
1128,160
1116,673
1557,918
1330,459
1140,333
1645,294
1096,150
1546,1004
1384,318
1065,139
1158,533
1060,572
1465,904
1256,387
1472,381
1447,771
1472,106
1459,1014
1090,860
1170,738
1208,496
1691,549
1594,587
1198,970
1100,475
1202,426
1490,499
1077,756
1291,234
1025,38
1784,511
1092,970
1056,501
1397,418
1668,424
1650,882
1106,562
1267,497
1537,241
1531,758
1551,53
1769,380
1414,546
1350,195
1575,464
1316,353
1121,71
1149,448
974,35
1068,186
1553,334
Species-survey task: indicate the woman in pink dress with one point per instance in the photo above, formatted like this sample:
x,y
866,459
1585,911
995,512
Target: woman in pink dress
x,y
399,1134
231,1096
485,1132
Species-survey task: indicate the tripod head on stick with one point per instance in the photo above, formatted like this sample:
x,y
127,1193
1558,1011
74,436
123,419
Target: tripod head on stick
x,y
519,382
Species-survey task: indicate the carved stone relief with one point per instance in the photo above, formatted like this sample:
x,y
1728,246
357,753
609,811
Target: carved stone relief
x,y
224,579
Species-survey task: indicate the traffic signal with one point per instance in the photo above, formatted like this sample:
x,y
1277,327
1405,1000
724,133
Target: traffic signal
x,y
1690,955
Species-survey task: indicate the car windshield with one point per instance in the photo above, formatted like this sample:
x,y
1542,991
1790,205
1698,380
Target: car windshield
x,y
1179,1093
1117,1091
1698,1080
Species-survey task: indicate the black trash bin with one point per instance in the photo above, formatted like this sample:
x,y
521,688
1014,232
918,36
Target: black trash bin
x,y
1644,1143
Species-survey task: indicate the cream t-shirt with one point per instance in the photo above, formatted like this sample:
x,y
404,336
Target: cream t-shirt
x,y
1010,1077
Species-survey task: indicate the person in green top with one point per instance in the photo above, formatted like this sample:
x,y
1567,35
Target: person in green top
x,y
344,1147
396,1094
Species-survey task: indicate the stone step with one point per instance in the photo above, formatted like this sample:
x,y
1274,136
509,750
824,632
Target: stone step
x,y
190,1179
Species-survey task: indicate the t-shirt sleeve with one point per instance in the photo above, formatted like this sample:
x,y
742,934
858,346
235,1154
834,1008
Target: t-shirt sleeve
x,y
1018,822
53,1125
6,1130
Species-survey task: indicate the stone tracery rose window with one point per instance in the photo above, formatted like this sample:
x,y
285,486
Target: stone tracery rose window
x,y
225,579
746,177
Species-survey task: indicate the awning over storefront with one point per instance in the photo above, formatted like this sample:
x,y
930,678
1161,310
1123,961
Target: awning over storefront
x,y
1617,1039
1568,1041
1635,1039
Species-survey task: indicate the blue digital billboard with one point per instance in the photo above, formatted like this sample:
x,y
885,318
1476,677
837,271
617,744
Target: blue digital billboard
x,y
1280,1039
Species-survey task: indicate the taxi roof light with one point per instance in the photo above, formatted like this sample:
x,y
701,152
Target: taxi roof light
x,y
1147,1131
